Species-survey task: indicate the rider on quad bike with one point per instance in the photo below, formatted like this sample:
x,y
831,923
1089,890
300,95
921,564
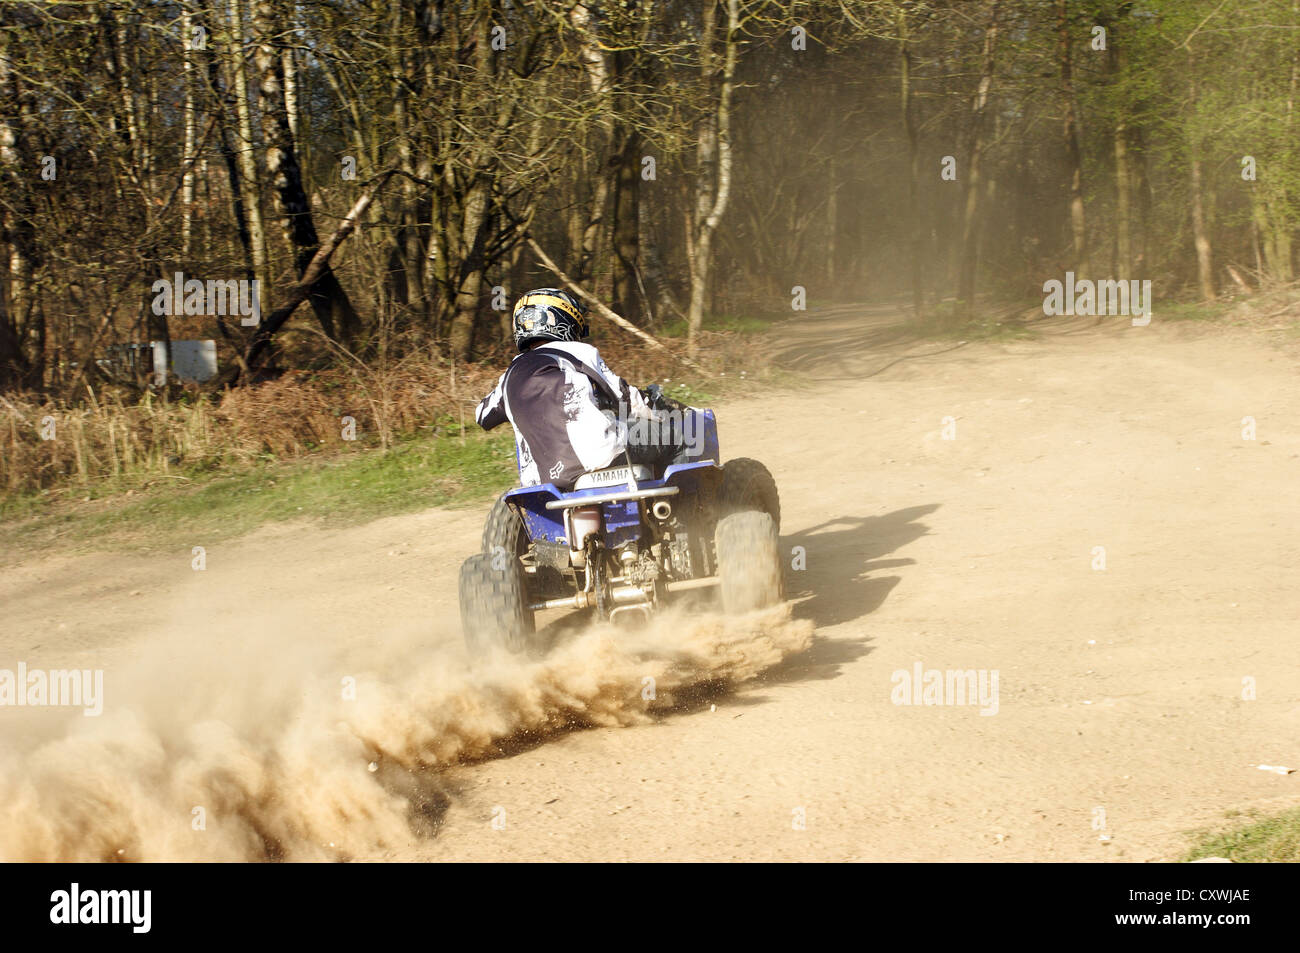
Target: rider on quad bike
x,y
570,412
625,504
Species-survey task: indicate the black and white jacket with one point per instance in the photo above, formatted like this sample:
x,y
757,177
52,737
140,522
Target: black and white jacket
x,y
569,410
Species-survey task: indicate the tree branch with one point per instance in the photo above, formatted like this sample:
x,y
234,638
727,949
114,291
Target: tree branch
x,y
604,311
301,291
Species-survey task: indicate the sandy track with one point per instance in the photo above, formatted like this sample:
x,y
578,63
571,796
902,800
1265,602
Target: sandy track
x,y
1119,690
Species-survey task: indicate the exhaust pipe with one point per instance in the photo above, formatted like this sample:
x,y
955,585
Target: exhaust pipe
x,y
661,509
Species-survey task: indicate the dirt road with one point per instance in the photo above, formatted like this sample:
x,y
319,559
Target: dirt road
x,y
1123,717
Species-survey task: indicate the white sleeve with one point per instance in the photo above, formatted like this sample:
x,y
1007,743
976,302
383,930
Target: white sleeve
x,y
491,409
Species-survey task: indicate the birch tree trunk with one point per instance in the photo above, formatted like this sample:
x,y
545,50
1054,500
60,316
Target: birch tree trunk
x,y
249,181
188,113
16,367
1200,234
715,166
1078,225
598,79
915,226
1123,195
970,222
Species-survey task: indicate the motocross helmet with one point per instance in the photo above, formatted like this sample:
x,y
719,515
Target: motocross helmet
x,y
549,314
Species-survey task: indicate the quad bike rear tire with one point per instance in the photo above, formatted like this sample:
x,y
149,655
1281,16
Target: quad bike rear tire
x,y
749,562
747,485
494,613
504,528
504,533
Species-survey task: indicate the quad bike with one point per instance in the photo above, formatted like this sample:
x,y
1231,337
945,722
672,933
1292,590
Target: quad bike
x,y
625,540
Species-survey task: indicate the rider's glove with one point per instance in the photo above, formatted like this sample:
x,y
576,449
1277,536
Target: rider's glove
x,y
655,397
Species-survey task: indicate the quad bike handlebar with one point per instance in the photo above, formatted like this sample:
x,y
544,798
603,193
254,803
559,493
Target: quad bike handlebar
x,y
654,396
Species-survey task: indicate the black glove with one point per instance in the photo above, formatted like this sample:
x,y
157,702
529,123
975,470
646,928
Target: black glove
x,y
655,397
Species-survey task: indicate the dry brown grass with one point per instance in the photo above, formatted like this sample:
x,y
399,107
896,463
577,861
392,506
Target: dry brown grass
x,y
110,440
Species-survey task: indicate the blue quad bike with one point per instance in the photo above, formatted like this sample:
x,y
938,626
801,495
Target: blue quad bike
x,y
624,540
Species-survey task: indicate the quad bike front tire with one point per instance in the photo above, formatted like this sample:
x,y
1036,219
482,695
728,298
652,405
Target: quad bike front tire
x,y
749,562
494,613
748,485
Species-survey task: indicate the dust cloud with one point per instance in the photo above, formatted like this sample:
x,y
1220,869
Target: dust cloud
x,y
241,743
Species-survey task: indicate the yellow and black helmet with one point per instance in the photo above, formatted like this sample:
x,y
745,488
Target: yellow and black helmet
x,y
549,314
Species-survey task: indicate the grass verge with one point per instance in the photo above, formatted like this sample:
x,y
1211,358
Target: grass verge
x,y
343,489
1265,840
749,323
